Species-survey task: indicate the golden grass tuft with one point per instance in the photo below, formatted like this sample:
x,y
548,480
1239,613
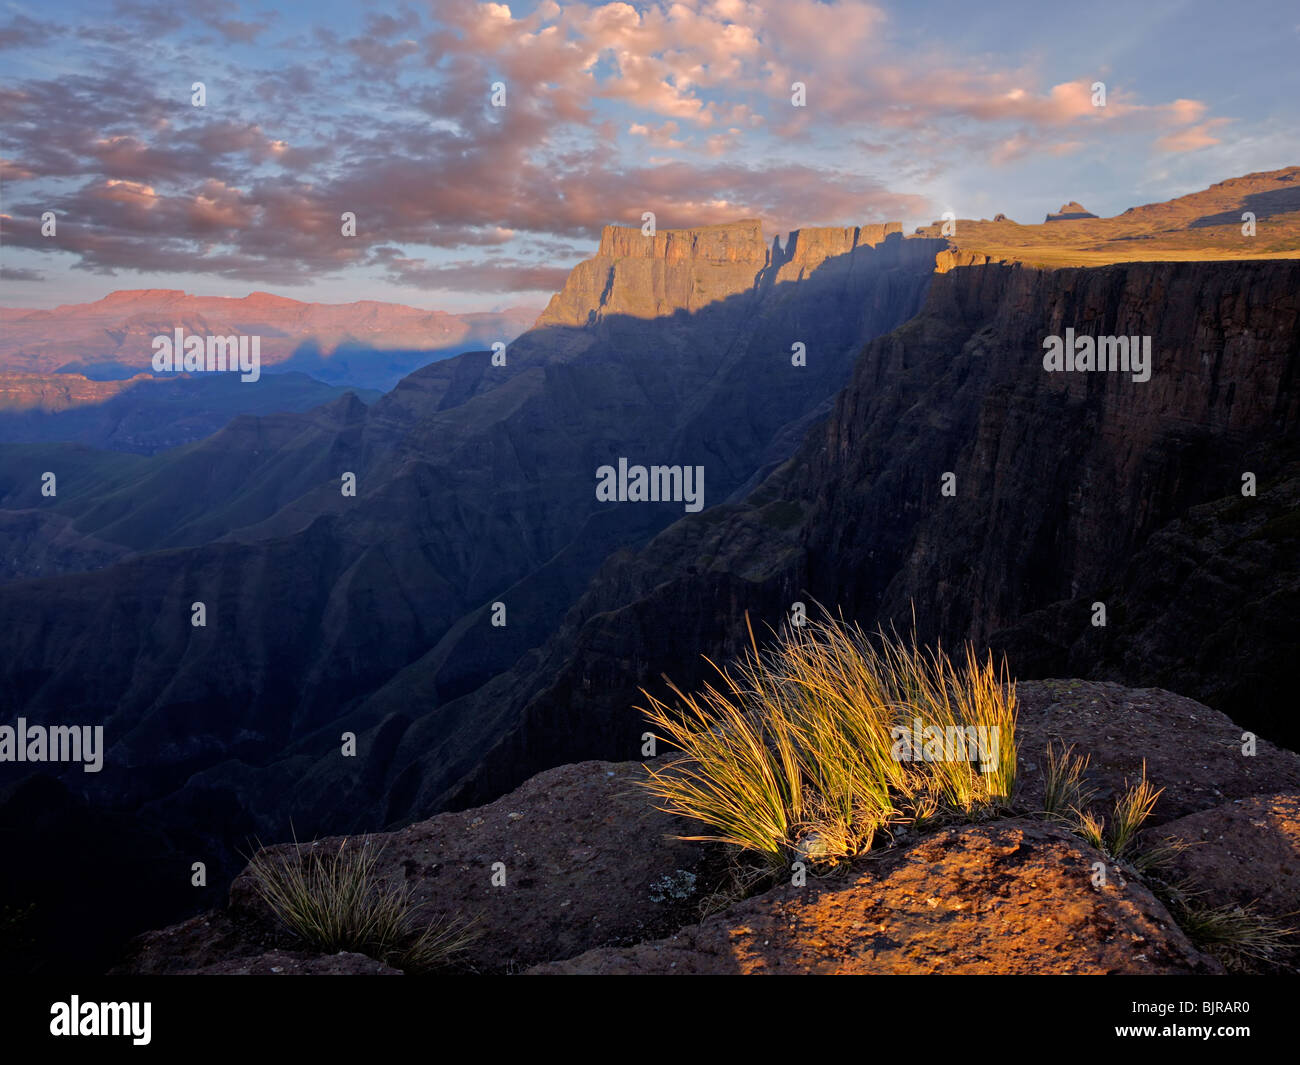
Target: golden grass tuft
x,y
1064,787
796,750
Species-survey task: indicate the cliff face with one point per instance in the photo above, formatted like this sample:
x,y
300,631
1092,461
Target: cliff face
x,y
686,269
1070,489
1059,476
646,277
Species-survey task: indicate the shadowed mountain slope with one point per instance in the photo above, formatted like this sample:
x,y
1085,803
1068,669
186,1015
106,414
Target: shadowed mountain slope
x,y
475,485
1070,489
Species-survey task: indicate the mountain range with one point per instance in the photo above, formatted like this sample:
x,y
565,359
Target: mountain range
x,y
366,343
877,432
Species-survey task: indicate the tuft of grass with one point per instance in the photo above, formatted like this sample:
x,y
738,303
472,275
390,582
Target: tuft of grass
x,y
334,901
803,749
1241,937
1113,837
1157,858
1090,827
1064,787
1131,810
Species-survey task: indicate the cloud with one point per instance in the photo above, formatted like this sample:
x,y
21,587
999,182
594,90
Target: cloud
x,y
681,107
11,273
663,136
471,275
1193,137
22,32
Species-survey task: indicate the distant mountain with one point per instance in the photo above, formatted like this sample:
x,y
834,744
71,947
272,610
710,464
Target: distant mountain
x,y
1070,212
1256,216
145,413
367,343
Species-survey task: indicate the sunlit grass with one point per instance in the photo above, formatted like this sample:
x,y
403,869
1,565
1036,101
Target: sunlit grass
x,y
799,750
1064,786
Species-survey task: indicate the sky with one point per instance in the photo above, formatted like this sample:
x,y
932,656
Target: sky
x,y
385,110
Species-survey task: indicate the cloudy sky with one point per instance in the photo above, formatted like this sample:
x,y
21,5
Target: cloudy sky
x,y
682,108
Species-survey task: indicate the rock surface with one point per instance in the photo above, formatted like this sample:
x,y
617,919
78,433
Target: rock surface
x,y
586,859
1246,851
1013,897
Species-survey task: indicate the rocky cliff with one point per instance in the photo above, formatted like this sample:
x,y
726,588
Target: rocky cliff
x,y
1067,489
684,270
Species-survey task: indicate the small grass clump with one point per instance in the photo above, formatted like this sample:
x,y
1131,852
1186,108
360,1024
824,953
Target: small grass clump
x,y
1131,810
1115,836
334,901
814,746
1241,937
1064,786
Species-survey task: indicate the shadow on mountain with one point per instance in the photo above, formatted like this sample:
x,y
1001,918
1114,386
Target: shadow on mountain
x,y
1261,204
1069,491
156,413
356,365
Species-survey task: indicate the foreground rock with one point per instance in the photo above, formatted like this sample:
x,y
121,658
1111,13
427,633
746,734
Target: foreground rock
x,y
592,870
586,860
1007,897
1246,851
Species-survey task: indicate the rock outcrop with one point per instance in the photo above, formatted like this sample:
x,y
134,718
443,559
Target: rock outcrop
x,y
586,860
1012,898
1070,212
644,276
1243,853
596,880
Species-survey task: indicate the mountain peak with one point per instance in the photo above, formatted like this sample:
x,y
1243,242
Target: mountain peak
x,y
1069,212
269,299
141,295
